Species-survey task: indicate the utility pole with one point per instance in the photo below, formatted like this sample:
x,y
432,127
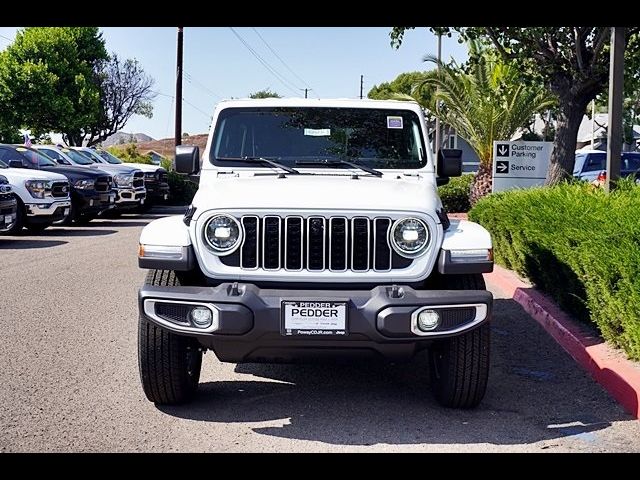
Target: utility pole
x,y
614,132
361,85
178,132
306,90
438,141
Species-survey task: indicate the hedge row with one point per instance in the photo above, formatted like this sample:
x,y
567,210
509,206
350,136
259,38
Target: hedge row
x,y
579,245
455,194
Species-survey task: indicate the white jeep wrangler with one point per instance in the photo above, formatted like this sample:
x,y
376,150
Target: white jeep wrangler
x,y
316,231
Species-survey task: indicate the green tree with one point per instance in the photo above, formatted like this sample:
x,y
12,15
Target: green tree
x,y
266,93
572,62
485,102
48,79
406,86
125,90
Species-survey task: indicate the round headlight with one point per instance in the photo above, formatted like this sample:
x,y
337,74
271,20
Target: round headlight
x,y
409,237
223,234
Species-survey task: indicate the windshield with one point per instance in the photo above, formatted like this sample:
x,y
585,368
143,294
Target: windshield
x,y
378,138
109,157
3,165
36,158
77,157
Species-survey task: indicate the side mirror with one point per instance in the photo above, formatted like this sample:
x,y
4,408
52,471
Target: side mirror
x,y
187,161
15,164
449,162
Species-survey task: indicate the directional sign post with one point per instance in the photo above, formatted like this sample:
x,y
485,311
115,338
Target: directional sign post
x,y
520,164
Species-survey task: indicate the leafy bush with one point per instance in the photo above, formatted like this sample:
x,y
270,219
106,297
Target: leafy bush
x,y
130,154
455,194
580,245
181,189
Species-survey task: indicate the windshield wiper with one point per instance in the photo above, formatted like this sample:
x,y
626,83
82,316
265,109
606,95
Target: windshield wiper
x,y
333,163
268,161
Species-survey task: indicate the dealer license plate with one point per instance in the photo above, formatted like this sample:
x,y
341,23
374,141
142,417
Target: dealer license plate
x,y
314,318
67,210
8,218
166,196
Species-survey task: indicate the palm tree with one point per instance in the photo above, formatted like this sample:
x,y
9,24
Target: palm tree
x,y
485,101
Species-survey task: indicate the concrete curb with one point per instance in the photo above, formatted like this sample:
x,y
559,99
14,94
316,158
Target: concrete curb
x,y
618,375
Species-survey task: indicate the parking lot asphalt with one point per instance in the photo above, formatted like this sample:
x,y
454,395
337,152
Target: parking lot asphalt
x,y
69,376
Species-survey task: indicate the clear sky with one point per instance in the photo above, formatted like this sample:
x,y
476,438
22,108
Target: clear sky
x,y
218,65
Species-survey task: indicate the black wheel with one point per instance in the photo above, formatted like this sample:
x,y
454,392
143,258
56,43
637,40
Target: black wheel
x,y
19,223
169,364
460,365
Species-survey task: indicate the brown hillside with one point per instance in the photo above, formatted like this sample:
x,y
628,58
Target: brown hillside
x,y
166,146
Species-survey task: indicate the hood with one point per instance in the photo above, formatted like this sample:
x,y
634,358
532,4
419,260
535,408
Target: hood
x,y
323,192
75,173
115,169
15,174
144,167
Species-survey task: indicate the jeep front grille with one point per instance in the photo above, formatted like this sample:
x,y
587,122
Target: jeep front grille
x,y
315,243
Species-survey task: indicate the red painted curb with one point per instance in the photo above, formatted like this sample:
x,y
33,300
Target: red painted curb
x,y
618,375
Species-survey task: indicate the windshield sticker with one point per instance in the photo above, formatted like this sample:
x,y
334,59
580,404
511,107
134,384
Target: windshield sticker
x,y
317,132
394,122
21,149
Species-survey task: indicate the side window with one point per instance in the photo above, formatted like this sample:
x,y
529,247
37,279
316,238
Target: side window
x,y
594,161
56,156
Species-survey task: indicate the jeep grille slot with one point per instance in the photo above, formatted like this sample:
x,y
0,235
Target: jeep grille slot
x,y
338,244
250,247
381,248
293,246
271,243
315,244
316,241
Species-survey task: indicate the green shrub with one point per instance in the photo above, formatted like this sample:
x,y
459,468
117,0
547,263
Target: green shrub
x,y
181,190
455,194
130,154
578,244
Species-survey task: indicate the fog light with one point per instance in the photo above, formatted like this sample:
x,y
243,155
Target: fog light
x,y
202,317
428,320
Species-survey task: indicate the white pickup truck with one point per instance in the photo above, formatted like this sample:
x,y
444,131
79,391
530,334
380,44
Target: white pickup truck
x,y
316,231
42,197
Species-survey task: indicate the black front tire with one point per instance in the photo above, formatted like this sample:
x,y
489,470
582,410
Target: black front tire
x,y
19,223
169,364
460,365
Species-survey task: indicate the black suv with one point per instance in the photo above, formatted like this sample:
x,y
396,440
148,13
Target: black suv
x,y
8,205
91,190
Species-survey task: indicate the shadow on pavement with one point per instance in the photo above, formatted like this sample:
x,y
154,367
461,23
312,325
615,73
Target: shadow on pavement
x,y
116,223
536,392
20,244
75,232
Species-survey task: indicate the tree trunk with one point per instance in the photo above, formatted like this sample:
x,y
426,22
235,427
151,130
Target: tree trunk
x,y
482,183
564,145
73,139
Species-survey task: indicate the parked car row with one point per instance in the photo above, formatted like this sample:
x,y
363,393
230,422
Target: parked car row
x,y
591,165
45,184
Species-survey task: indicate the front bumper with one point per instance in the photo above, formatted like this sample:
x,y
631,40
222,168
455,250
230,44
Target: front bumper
x,y
8,212
47,212
380,322
92,202
130,197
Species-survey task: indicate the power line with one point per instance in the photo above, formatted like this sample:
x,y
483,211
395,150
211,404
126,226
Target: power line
x,y
196,108
281,60
282,80
195,82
